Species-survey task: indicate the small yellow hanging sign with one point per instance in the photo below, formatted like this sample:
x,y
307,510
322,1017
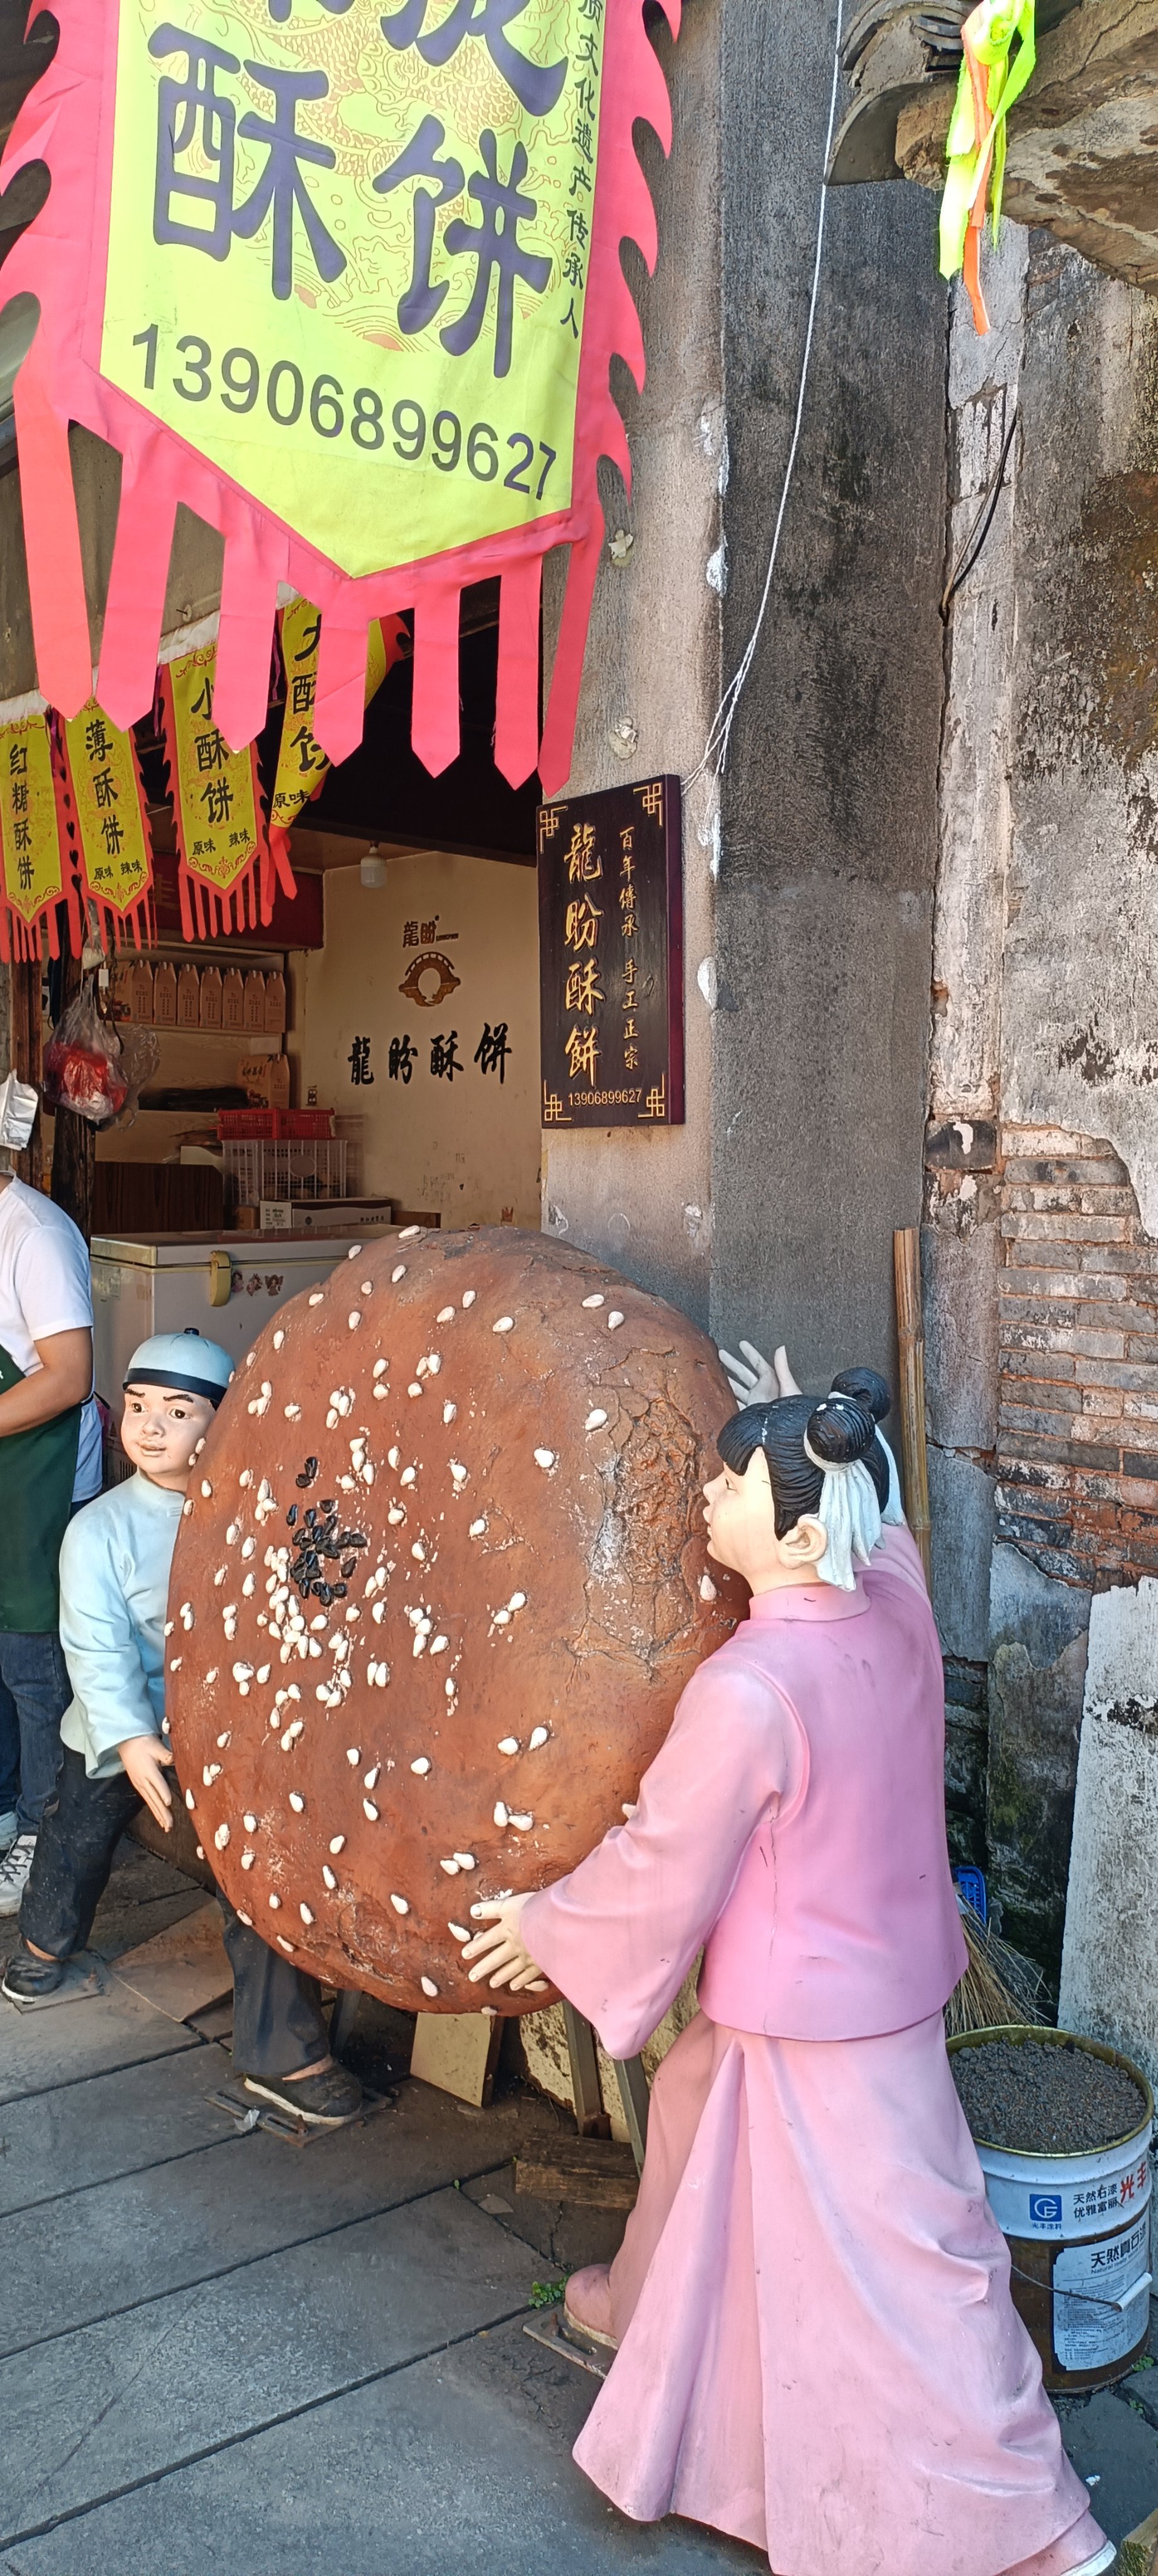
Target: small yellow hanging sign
x,y
215,789
29,820
301,762
116,858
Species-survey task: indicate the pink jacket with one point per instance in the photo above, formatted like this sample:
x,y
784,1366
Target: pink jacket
x,y
793,1824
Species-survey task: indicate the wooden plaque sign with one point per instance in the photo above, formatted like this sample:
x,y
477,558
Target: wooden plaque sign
x,y
611,958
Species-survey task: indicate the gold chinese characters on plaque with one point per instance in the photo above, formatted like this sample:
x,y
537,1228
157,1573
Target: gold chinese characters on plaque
x,y
611,958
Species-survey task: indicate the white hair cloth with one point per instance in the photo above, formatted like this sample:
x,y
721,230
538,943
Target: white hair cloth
x,y
894,1510
850,1514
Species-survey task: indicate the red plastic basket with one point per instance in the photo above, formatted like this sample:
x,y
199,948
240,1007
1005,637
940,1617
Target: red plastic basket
x,y
249,1126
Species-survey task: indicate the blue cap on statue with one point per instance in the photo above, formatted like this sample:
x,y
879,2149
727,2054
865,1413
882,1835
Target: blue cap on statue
x,y
181,1360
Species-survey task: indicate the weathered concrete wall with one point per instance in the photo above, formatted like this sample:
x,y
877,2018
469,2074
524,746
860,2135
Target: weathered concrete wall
x,y
651,677
1039,1250
829,811
813,980
1082,946
1109,1987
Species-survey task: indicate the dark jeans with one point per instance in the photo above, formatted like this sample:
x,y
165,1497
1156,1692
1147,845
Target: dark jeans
x,y
9,1753
277,2012
34,1693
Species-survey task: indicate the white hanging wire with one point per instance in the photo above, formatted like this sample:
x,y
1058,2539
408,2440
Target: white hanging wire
x,y
715,751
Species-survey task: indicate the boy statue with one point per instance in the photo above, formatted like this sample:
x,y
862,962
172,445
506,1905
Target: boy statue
x,y
114,1582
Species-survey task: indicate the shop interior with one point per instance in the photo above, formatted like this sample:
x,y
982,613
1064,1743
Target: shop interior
x,y
369,1059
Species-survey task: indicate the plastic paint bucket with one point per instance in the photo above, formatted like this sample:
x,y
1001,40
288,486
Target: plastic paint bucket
x,y
1078,2230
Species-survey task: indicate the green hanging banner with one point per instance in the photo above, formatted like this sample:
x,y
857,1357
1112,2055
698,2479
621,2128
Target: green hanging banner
x,y
993,77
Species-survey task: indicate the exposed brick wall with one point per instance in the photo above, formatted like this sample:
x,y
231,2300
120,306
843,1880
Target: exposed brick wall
x,y
1077,1455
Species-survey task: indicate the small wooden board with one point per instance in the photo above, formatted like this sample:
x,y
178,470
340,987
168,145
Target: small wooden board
x,y
1138,2555
458,2052
588,2173
183,1969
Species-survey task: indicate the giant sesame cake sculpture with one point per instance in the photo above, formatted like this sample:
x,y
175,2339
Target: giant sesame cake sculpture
x,y
440,1582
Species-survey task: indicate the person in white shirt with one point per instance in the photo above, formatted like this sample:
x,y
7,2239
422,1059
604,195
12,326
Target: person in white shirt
x,y
50,1462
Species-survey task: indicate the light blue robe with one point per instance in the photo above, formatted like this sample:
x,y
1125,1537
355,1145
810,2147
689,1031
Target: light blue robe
x,y
114,1584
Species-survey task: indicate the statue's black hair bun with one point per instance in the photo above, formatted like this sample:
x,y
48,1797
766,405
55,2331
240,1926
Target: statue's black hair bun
x,y
867,1387
840,1431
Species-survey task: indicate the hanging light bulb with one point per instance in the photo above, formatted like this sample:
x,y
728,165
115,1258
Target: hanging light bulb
x,y
372,869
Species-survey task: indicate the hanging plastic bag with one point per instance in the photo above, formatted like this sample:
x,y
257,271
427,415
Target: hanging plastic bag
x,y
140,1055
84,1065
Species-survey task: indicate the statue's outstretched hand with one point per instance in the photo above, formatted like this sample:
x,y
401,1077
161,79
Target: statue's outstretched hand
x,y
751,1379
755,1380
502,1958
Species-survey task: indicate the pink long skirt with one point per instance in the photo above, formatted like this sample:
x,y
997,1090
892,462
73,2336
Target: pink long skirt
x,y
818,2349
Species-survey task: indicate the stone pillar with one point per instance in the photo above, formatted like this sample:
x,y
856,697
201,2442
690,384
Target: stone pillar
x,y
828,826
642,1201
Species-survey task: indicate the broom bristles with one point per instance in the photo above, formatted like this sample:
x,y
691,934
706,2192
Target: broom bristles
x,y
996,1988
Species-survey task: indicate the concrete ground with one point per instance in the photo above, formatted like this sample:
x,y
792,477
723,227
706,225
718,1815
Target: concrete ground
x,y
227,2355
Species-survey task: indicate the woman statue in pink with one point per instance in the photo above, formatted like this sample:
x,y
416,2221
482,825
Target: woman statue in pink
x,y
816,2347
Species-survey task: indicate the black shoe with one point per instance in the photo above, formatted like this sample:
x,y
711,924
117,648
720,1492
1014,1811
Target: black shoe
x,y
324,2099
27,1978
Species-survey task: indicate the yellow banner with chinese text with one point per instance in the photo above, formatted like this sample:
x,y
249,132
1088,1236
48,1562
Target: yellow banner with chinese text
x,y
215,791
115,852
345,238
29,820
301,762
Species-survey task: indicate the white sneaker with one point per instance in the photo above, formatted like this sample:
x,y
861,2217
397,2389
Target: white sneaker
x,y
8,1831
14,1873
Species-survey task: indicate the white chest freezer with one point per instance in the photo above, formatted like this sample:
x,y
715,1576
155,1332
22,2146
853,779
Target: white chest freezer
x,y
226,1285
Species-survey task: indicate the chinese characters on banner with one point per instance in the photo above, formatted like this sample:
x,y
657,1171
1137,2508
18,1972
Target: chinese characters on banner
x,y
611,958
216,803
103,787
33,843
357,267
301,762
345,258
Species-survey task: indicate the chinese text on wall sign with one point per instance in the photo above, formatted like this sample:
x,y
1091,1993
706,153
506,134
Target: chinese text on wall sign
x,y
611,958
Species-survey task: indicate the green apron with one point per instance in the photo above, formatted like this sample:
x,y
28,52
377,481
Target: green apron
x,y
37,1475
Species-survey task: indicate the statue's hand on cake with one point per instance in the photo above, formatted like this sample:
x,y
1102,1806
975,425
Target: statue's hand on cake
x,y
755,1380
502,1958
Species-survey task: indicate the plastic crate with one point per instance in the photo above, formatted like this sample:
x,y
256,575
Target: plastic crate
x,y
297,1168
249,1126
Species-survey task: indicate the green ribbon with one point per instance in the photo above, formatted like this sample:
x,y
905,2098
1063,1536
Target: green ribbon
x,y
988,34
